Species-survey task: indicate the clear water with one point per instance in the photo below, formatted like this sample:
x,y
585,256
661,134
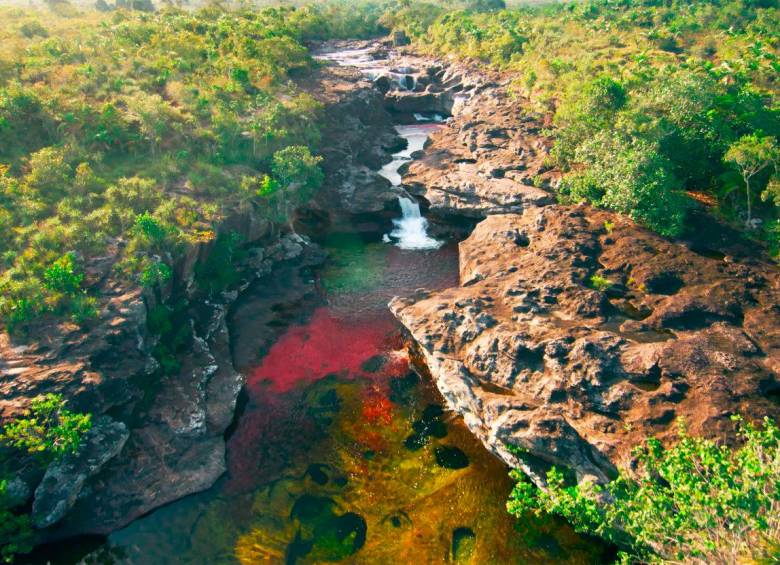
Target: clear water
x,y
343,453
416,135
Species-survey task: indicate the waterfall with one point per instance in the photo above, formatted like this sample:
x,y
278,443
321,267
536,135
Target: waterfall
x,y
411,229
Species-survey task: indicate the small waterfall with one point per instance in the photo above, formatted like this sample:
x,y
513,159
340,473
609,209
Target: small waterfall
x,y
411,229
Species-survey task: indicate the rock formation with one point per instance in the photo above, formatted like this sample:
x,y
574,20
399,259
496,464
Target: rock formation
x,y
549,366
158,438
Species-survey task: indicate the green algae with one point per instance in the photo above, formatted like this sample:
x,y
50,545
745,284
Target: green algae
x,y
414,509
355,266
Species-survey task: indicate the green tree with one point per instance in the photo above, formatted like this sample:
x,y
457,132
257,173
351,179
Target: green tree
x,y
697,502
751,155
297,175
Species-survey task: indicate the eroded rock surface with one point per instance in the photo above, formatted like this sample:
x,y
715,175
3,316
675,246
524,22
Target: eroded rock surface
x,y
534,357
488,159
537,355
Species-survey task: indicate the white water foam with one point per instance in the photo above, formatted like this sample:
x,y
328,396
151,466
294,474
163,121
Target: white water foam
x,y
411,229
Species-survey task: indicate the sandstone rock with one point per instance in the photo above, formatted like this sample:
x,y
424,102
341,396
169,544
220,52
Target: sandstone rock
x,y
64,480
548,371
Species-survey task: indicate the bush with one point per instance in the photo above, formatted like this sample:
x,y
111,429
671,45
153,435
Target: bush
x,y
630,178
63,275
49,430
696,502
155,273
600,283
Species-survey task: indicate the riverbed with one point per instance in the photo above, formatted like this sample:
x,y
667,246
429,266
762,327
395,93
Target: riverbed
x,y
341,451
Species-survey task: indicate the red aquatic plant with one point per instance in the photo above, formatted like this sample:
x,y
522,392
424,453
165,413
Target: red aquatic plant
x,y
377,408
326,345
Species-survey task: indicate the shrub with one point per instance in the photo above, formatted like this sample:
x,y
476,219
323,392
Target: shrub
x,y
48,430
600,283
632,178
63,275
696,502
155,273
32,28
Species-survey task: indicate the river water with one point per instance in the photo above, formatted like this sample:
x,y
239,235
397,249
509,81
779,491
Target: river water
x,y
341,452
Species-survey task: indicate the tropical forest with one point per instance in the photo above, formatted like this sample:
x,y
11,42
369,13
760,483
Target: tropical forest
x,y
465,282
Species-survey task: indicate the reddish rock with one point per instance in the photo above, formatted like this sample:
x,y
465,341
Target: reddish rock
x,y
535,358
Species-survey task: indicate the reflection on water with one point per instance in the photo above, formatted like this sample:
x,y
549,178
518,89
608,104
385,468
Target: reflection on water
x,y
344,454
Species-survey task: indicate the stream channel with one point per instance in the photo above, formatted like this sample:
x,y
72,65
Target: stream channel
x,y
341,452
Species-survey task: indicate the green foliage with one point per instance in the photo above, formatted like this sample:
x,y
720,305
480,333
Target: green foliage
x,y
63,275
295,178
633,179
218,272
600,283
149,232
16,536
695,502
49,430
130,134
172,326
753,154
155,273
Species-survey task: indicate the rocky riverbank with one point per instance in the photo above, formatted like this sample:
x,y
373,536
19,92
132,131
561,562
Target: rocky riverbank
x,y
158,438
574,333
531,349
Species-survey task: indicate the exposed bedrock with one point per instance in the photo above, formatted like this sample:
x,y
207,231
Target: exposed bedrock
x,y
489,158
359,139
157,438
531,353
536,359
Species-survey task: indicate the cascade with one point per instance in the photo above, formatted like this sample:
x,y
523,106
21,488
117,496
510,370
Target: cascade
x,y
411,229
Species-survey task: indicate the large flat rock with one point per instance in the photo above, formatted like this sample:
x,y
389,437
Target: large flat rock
x,y
535,358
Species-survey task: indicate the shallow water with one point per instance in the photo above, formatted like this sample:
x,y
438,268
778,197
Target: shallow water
x,y
343,454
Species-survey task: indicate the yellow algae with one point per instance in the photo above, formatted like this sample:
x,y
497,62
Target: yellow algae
x,y
414,510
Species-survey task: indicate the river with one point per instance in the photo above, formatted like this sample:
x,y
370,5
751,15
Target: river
x,y
342,452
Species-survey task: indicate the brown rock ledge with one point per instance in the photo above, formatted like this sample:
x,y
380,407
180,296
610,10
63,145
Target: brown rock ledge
x,y
533,357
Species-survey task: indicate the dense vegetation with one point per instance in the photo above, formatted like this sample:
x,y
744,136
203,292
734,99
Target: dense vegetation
x,y
131,136
46,434
655,105
697,502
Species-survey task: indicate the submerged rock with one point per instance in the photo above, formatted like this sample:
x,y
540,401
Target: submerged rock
x,y
450,457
